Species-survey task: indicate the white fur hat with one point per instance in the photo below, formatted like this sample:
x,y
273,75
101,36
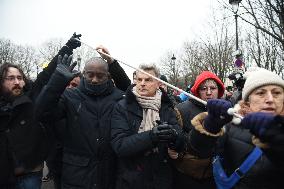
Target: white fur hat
x,y
260,78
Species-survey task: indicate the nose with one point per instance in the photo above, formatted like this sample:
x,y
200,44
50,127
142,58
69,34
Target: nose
x,y
269,97
17,81
208,91
95,80
143,82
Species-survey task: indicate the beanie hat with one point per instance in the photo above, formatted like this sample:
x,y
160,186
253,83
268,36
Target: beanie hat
x,y
260,78
207,75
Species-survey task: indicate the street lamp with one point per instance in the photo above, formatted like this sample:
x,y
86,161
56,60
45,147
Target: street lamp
x,y
173,58
235,5
238,53
79,62
174,69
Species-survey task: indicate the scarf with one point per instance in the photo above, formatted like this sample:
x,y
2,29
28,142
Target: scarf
x,y
96,90
151,107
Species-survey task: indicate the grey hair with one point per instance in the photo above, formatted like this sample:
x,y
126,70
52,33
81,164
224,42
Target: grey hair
x,y
148,67
97,60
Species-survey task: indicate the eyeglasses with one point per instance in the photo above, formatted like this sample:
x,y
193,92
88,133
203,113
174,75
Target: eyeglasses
x,y
13,78
204,89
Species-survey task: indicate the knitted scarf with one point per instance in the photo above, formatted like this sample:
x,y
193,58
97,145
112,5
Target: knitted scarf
x,y
151,107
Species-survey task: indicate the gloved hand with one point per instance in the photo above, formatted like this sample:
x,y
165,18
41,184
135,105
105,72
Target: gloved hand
x,y
163,132
217,115
178,144
73,42
258,123
65,66
274,134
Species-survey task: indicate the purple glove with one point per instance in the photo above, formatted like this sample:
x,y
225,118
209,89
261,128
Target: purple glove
x,y
259,122
217,115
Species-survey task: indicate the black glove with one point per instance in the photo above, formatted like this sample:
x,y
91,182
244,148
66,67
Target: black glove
x,y
65,66
163,132
178,144
73,42
217,115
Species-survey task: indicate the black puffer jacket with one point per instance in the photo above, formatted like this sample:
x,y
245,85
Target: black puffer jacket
x,y
235,146
138,166
22,137
54,160
88,159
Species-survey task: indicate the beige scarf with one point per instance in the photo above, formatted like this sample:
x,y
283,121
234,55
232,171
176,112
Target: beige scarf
x,y
151,107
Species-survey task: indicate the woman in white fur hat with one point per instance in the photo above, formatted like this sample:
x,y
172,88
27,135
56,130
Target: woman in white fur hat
x,y
249,155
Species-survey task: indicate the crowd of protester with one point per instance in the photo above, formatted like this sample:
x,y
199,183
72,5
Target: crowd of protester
x,y
97,130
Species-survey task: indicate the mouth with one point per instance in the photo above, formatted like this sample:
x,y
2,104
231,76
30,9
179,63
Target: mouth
x,y
268,110
143,90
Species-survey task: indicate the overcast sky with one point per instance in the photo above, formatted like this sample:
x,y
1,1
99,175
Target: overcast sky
x,y
134,31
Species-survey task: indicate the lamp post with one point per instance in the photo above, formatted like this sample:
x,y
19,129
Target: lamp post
x,y
174,67
239,64
79,62
173,58
235,5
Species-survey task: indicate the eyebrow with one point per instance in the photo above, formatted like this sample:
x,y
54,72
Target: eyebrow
x,y
275,88
94,71
7,74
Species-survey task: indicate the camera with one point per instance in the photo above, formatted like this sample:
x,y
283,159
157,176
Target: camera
x,y
238,80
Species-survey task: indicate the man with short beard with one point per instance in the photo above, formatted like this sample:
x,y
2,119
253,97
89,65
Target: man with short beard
x,y
22,143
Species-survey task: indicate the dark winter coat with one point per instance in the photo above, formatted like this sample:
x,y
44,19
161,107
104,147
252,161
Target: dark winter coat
x,y
235,146
140,167
188,110
22,137
54,160
88,159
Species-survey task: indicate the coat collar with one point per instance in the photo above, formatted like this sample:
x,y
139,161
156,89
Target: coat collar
x,y
23,99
